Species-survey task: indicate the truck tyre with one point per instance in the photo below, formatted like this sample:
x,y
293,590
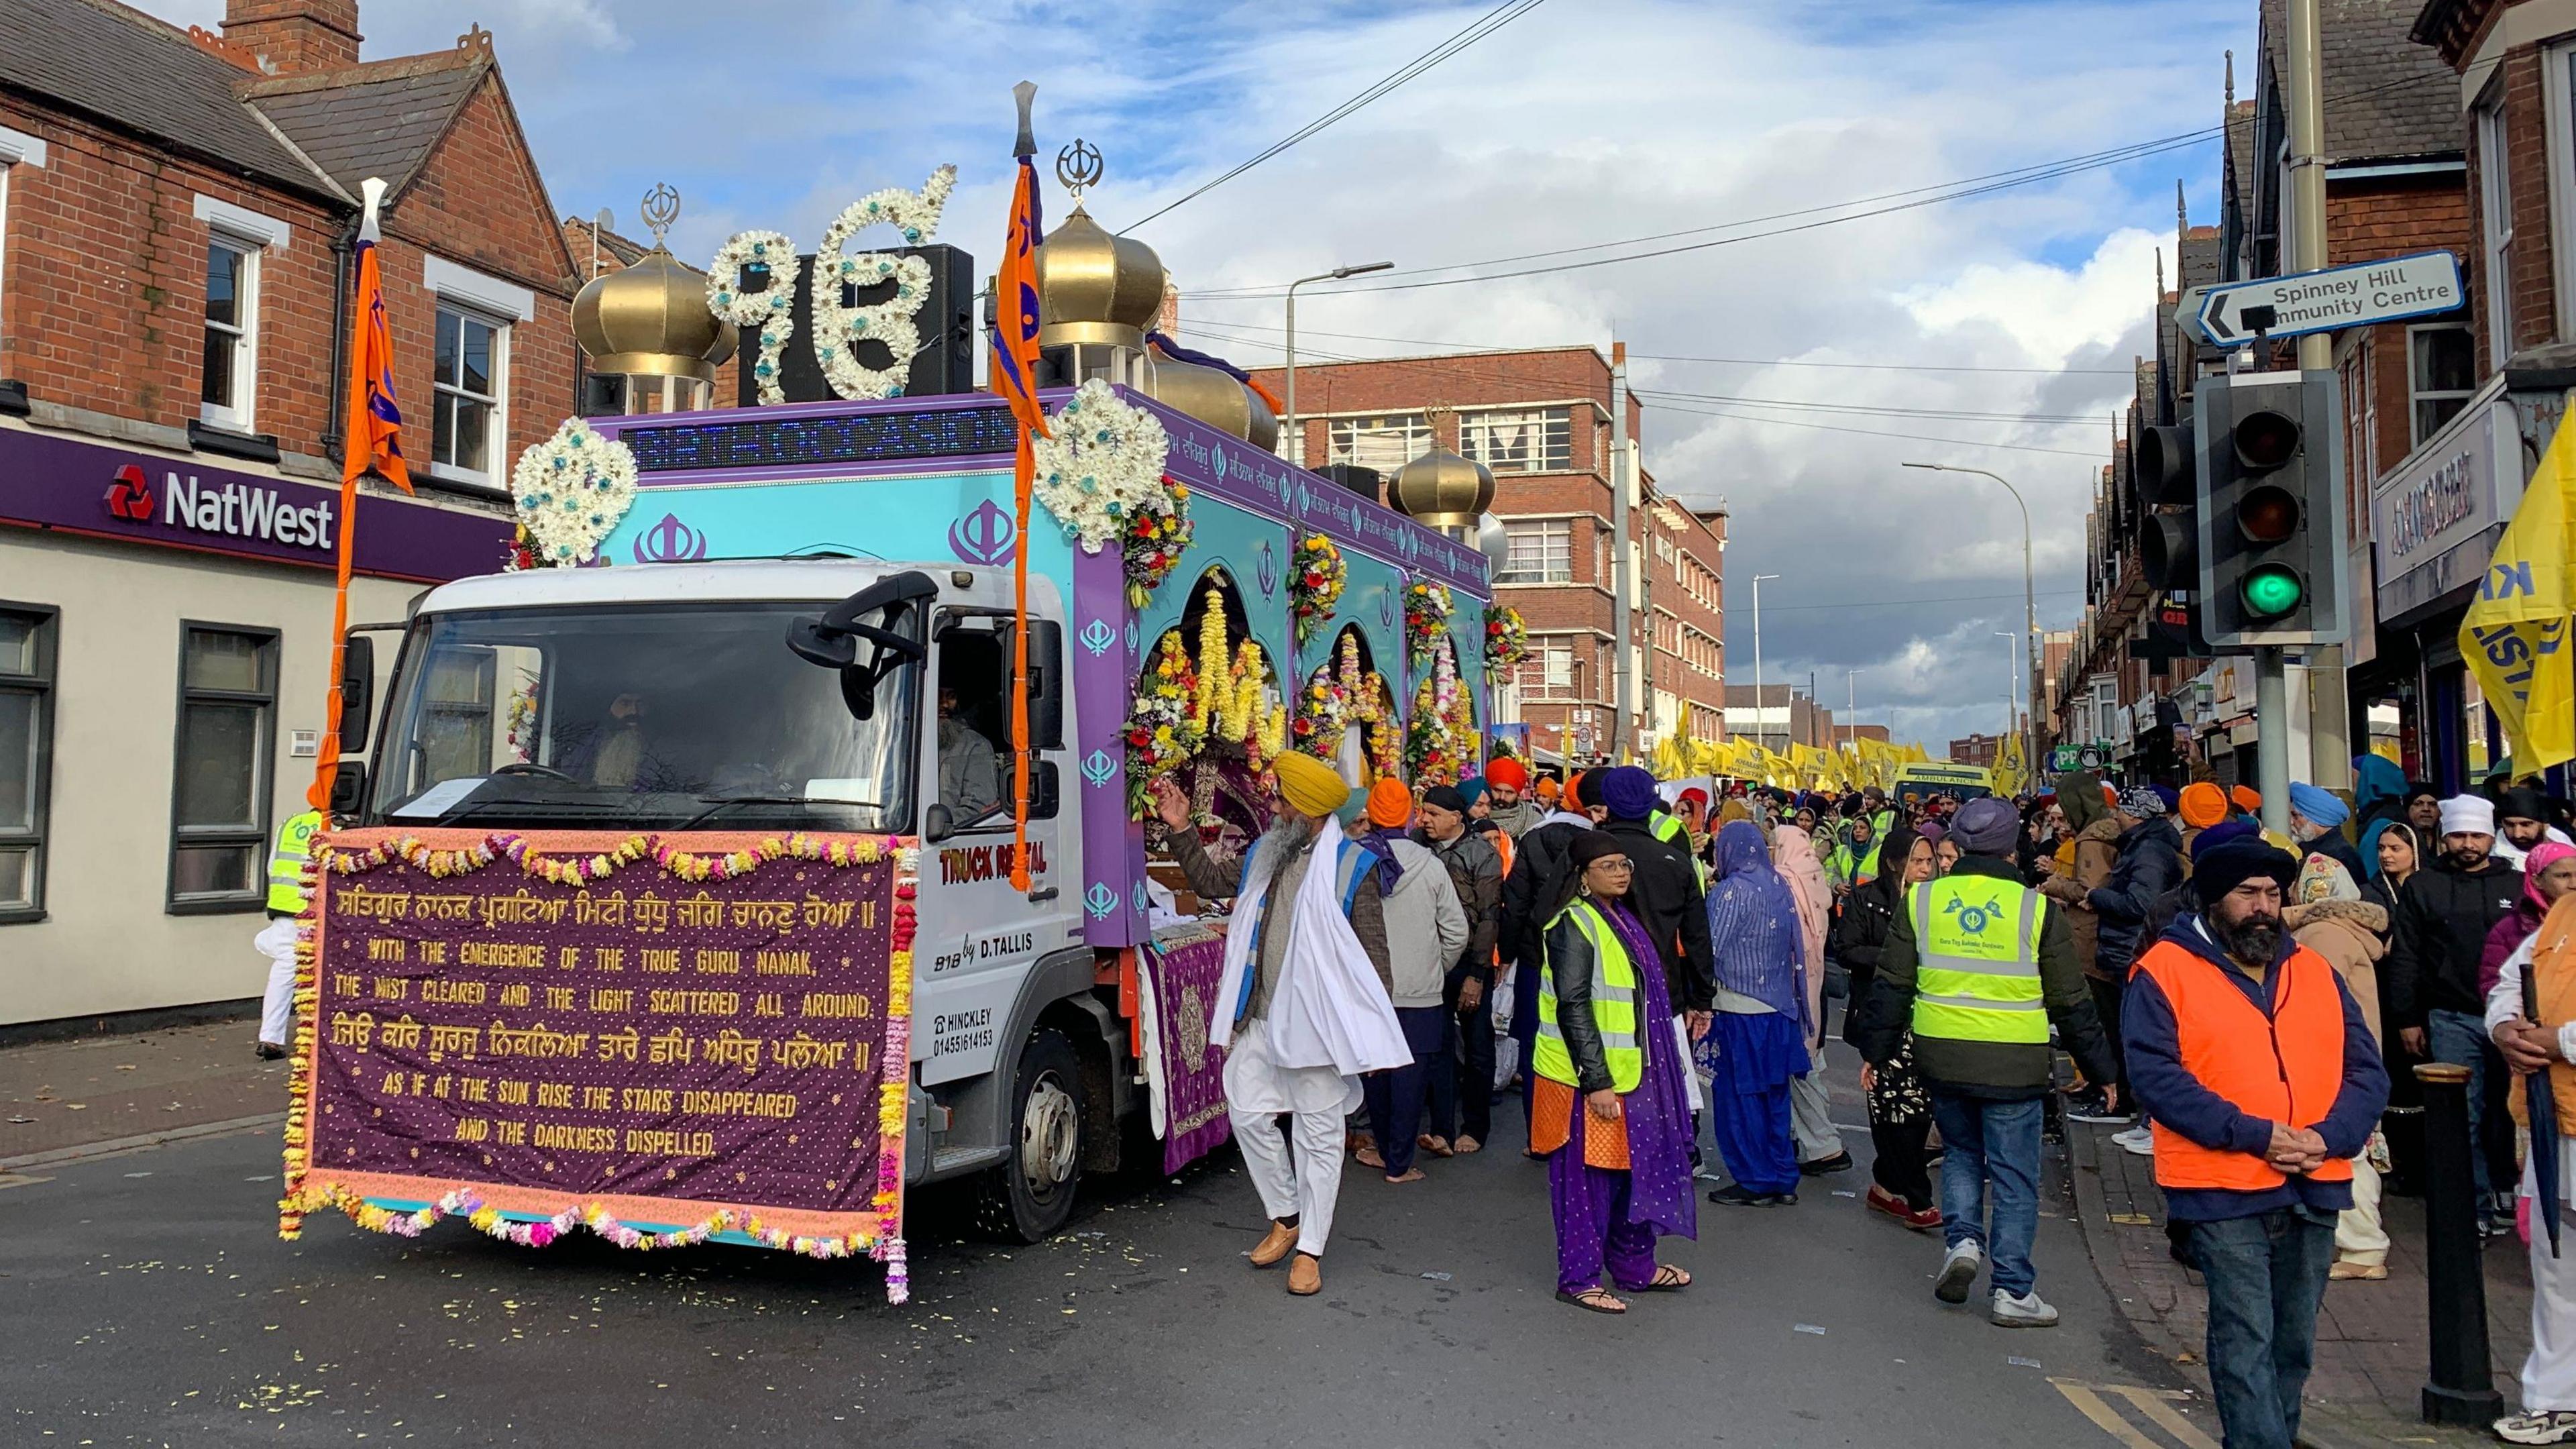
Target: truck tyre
x,y
1032,1193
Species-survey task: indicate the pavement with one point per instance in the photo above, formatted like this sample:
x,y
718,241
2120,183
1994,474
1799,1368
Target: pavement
x,y
2371,1355
63,1098
149,1302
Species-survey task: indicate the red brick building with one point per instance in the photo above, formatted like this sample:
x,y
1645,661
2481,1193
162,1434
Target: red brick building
x,y
176,217
1540,420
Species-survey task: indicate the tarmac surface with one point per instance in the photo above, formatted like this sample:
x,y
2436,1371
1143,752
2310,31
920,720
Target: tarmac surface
x,y
147,1300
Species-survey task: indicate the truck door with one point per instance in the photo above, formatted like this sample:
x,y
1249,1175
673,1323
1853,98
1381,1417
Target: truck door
x,y
978,935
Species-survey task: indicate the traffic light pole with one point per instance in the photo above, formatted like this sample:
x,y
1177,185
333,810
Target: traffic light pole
x,y
2272,736
2329,750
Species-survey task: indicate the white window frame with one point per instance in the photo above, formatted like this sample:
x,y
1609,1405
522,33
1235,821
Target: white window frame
x,y
1362,441
1545,531
250,236
2558,106
2495,209
1536,678
17,148
2415,433
496,440
1475,438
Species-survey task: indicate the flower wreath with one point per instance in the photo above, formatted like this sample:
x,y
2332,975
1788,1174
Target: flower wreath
x,y
1506,639
1426,619
1315,580
570,490
773,311
1162,725
1441,744
837,328
1100,473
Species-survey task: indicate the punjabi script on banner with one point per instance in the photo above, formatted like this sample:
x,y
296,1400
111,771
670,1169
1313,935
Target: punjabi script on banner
x,y
725,1040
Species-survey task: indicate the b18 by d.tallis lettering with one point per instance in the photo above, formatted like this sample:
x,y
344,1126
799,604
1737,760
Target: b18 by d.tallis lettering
x,y
234,510
986,862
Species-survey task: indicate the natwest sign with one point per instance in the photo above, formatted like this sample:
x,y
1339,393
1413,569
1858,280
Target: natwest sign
x,y
51,481
232,510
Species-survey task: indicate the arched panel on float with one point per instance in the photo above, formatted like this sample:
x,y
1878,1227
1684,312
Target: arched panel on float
x,y
1347,714
1209,710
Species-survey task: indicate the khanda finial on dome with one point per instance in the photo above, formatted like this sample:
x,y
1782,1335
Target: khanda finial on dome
x,y
1079,167
661,208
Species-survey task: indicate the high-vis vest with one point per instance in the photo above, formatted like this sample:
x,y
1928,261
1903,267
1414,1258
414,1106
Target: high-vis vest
x,y
1670,830
1614,1007
286,862
1976,966
2285,1068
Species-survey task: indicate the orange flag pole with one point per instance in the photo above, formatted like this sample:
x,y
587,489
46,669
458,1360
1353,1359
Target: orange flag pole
x,y
1014,376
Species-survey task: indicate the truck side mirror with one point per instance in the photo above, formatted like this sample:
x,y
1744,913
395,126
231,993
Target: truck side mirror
x,y
1046,681
936,825
349,788
357,692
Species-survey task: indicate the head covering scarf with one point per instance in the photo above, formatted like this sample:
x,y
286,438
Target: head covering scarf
x,y
1471,790
2379,799
1308,784
2403,831
2322,810
2544,855
1732,811
2323,878
2203,805
1931,830
2079,795
1753,926
2468,815
1793,852
1628,792
2142,801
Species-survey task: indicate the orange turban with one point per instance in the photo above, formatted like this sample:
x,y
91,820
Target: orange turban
x,y
1546,788
1506,772
2203,805
1390,805
2247,798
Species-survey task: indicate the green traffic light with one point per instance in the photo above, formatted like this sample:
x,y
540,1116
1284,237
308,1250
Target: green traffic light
x,y
2271,591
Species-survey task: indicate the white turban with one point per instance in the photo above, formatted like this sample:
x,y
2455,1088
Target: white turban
x,y
2468,815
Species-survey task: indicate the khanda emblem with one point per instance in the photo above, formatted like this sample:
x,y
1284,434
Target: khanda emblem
x,y
1216,460
1973,917
1097,768
984,536
670,541
1097,636
1101,900
1266,572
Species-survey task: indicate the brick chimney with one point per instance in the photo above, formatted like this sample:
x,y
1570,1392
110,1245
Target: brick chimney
x,y
292,36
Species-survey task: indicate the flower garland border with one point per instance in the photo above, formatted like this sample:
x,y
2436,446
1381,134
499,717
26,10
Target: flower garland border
x,y
1427,607
773,311
893,321
893,1102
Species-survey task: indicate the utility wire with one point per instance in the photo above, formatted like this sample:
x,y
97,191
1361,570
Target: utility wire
x,y
1909,603
1493,347
1484,25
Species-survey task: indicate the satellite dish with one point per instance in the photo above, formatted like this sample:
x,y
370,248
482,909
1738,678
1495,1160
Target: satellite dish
x,y
1493,541
606,220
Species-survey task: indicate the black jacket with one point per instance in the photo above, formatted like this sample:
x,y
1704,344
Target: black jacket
x,y
2003,1071
1572,970
2443,916
1665,894
1538,864
2150,864
1860,933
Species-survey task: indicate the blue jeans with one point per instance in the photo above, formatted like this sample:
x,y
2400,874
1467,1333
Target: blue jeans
x,y
1994,1142
2461,1039
2266,1276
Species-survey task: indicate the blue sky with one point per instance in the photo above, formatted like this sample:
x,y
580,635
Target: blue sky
x,y
1586,120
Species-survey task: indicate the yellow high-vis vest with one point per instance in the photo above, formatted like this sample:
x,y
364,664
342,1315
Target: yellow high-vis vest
x,y
1976,969
286,862
1614,1007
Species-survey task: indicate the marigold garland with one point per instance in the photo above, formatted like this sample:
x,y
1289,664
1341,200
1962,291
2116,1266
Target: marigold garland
x,y
1315,580
894,1101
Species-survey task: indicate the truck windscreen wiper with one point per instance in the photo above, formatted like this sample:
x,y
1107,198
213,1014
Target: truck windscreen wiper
x,y
474,807
719,804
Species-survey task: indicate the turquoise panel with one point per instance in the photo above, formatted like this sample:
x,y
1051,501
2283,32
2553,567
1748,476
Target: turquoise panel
x,y
929,518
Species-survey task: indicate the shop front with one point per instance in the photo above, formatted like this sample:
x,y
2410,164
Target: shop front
x,y
164,654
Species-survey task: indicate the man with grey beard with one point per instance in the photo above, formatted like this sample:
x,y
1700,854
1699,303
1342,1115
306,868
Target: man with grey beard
x,y
2237,1036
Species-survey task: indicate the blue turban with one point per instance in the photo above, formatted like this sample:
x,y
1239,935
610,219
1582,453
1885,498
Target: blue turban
x,y
2323,810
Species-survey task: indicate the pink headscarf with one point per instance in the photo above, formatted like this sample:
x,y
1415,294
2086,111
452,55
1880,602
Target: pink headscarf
x,y
2542,856
1794,852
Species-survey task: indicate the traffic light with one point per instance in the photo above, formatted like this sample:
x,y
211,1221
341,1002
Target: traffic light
x,y
2269,536
2161,459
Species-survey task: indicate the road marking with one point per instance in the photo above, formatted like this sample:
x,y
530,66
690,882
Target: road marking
x,y
19,1179
2088,1400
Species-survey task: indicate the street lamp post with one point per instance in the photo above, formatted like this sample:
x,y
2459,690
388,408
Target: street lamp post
x,y
2011,691
1297,443
1759,718
2029,588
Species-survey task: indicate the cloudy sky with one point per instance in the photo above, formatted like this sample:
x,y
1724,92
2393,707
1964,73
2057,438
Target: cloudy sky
x,y
1586,121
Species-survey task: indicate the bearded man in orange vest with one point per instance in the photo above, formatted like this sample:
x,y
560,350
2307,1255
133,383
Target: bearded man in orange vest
x,y
2261,1081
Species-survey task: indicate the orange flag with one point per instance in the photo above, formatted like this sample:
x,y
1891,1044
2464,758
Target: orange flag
x,y
373,445
1015,377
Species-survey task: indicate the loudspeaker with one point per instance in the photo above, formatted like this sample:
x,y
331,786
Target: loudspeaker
x,y
945,363
1366,482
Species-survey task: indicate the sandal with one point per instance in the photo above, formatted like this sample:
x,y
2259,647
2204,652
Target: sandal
x,y
1667,1279
1594,1300
1368,1158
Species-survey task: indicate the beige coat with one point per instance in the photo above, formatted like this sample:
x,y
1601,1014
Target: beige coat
x,y
2347,934
2097,851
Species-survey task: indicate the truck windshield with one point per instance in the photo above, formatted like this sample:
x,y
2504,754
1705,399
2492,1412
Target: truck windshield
x,y
637,716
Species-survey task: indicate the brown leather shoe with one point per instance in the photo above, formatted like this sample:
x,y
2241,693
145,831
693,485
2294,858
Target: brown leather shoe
x,y
1306,1275
1274,1245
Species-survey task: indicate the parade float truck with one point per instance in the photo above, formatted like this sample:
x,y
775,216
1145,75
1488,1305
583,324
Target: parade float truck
x,y
672,896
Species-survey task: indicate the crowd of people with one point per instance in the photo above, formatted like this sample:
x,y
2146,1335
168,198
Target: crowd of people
x,y
1655,964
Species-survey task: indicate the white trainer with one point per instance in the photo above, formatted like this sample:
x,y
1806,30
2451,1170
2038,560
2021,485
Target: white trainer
x,y
2025,1311
2139,1139
1958,1271
2546,1427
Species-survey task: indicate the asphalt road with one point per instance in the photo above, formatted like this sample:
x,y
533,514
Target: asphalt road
x,y
145,1299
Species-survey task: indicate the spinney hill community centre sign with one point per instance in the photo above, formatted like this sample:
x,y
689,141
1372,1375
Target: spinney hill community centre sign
x,y
2389,290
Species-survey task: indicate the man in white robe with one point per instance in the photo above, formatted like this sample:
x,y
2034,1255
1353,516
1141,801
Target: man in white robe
x,y
1303,1007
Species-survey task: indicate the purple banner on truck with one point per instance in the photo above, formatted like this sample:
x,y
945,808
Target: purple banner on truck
x,y
103,491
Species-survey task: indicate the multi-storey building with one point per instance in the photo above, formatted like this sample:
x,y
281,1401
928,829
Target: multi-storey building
x,y
177,218
1540,421
1776,716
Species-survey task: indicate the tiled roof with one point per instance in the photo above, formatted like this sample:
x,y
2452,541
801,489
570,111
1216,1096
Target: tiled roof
x,y
372,120
2386,97
2240,151
144,76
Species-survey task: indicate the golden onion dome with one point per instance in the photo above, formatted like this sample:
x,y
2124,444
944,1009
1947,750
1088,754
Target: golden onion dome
x,y
1214,398
1442,489
651,320
1094,288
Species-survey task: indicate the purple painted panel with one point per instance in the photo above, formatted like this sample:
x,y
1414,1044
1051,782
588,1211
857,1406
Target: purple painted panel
x,y
50,481
1103,642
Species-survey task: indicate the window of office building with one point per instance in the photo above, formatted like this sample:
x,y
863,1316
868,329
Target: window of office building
x,y
1385,444
227,721
26,755
1519,440
1542,551
1547,671
2443,371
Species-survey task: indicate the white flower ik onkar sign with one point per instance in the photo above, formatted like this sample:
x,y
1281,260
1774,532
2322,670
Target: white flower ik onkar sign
x,y
838,330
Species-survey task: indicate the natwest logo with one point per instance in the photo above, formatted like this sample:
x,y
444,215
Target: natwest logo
x,y
233,510
130,496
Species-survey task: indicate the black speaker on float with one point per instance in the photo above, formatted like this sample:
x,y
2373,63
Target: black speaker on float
x,y
945,363
1366,482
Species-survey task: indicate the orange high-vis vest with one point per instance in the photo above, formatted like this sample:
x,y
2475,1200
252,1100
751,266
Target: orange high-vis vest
x,y
2284,1068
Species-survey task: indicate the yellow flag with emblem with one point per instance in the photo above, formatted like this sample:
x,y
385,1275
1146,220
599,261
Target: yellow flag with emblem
x,y
2515,634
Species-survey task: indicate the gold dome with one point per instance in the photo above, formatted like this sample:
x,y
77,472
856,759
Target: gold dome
x,y
1095,288
1442,489
1215,399
651,320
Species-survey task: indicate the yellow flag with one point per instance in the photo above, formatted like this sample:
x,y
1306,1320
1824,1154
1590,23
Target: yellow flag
x,y
2515,634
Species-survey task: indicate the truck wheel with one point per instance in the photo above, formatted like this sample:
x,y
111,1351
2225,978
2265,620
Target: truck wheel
x,y
1031,1194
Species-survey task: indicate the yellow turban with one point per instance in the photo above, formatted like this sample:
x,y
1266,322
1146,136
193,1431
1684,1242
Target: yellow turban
x,y
1309,785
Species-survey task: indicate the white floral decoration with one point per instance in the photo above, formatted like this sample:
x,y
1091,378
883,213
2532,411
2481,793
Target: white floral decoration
x,y
772,311
571,490
838,329
1102,466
